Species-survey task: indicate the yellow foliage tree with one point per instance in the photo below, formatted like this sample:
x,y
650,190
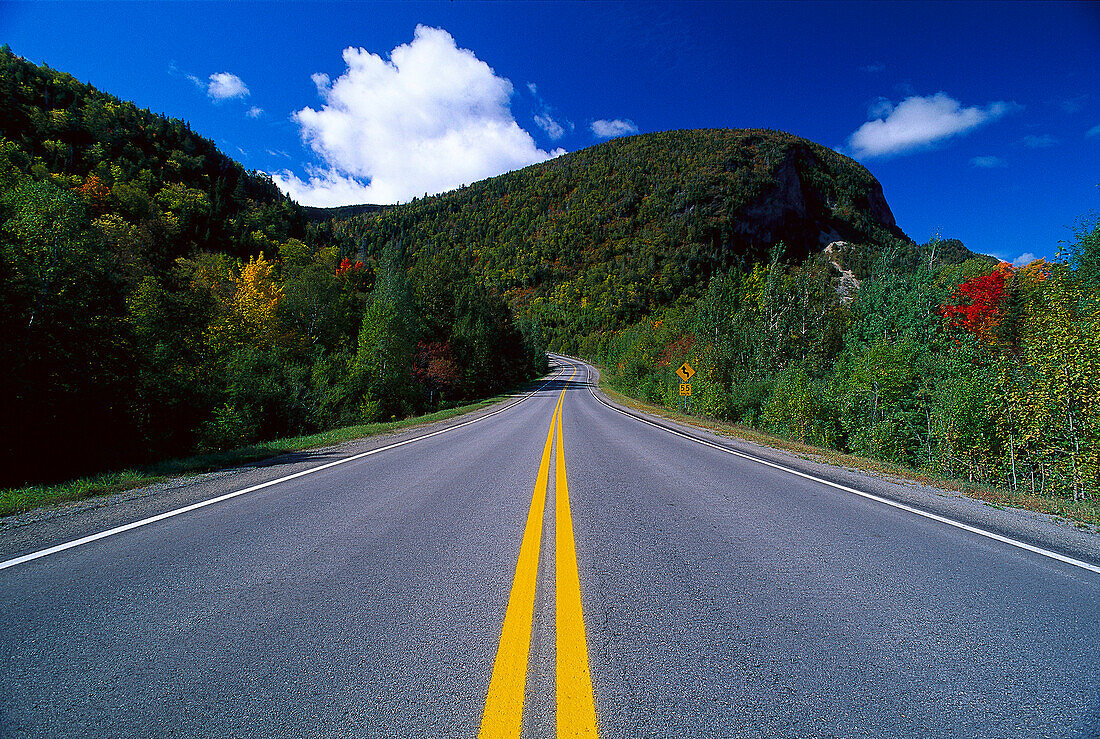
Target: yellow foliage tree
x,y
250,317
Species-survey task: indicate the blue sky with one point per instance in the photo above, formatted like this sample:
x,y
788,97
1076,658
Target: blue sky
x,y
982,121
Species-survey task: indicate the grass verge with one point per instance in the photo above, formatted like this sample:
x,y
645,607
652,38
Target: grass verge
x,y
20,500
1084,514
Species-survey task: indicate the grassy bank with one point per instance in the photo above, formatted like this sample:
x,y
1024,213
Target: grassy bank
x,y
1082,513
19,500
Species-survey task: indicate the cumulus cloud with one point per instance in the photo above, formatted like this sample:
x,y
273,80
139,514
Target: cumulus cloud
x,y
224,86
988,162
254,112
917,122
606,129
873,67
1039,142
1026,258
326,188
1094,131
429,119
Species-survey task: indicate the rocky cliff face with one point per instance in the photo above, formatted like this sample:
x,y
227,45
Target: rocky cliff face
x,y
814,199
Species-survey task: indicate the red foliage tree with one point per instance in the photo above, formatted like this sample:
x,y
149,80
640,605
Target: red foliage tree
x,y
354,273
435,366
976,305
349,268
95,192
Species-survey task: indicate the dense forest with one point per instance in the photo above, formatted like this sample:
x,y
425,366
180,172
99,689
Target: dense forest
x,y
600,238
973,370
157,299
774,265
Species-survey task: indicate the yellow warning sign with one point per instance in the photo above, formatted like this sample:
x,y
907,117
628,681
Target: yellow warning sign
x,y
685,372
685,389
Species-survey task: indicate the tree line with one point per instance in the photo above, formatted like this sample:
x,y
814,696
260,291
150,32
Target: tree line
x,y
976,370
156,299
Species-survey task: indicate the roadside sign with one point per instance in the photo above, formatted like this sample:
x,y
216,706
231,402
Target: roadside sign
x,y
685,372
685,390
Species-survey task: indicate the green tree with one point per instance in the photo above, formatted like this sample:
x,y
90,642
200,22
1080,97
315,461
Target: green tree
x,y
63,346
388,335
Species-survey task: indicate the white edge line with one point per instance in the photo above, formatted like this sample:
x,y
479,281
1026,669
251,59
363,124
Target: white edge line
x,y
869,496
201,504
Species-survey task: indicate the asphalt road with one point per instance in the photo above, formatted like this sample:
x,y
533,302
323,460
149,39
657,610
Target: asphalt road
x,y
722,597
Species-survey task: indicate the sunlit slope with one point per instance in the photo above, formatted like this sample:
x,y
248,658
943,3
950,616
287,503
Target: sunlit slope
x,y
603,236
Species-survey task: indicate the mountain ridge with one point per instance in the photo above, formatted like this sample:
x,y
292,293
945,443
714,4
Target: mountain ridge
x,y
631,226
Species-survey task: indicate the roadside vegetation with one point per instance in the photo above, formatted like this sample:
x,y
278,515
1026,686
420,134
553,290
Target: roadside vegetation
x,y
158,300
25,498
977,372
1083,513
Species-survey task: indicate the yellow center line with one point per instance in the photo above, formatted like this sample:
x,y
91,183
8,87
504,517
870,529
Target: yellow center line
x,y
503,714
576,706
576,711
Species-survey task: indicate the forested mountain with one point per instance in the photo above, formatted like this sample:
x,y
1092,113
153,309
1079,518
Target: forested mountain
x,y
157,299
602,237
774,265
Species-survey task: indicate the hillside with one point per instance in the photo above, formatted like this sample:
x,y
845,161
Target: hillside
x,y
714,247
629,226
157,299
152,171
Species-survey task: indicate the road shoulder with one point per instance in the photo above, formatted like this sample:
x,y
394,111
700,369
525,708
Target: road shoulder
x,y
1036,529
50,525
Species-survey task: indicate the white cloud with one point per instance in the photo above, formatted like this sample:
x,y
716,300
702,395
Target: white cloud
x,y
988,162
1039,142
606,129
254,112
917,122
1026,258
224,86
873,67
553,129
431,118
325,188
1094,131
545,118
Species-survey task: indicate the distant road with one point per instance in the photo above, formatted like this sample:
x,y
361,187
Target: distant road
x,y
554,564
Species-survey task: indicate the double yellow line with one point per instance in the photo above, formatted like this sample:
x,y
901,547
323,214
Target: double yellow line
x,y
576,709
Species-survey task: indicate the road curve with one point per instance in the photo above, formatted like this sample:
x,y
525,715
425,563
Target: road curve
x,y
718,596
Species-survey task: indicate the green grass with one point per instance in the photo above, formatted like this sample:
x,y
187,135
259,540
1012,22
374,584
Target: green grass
x,y
19,500
1084,514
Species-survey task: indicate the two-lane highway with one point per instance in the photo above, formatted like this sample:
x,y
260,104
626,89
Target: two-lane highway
x,y
558,566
